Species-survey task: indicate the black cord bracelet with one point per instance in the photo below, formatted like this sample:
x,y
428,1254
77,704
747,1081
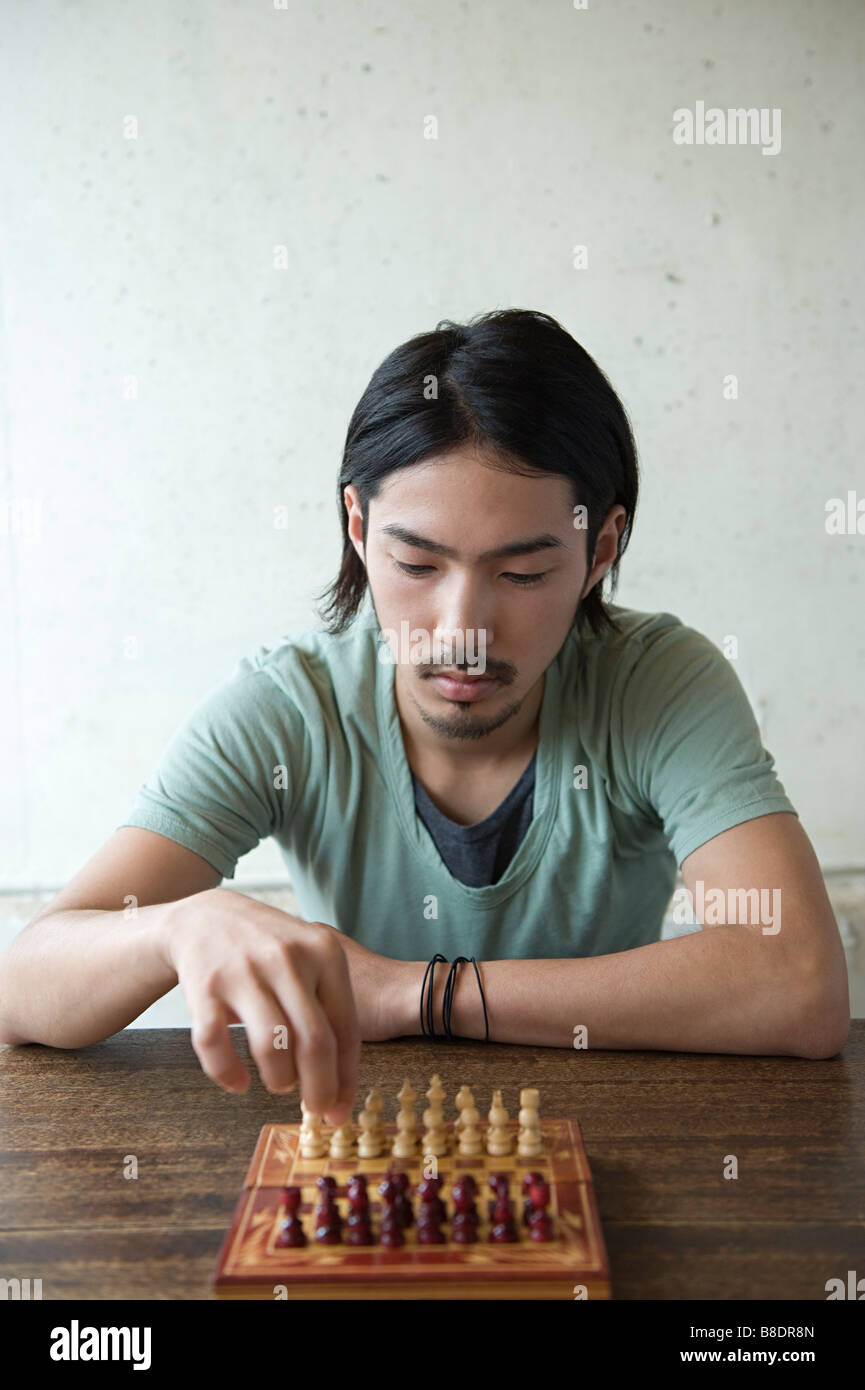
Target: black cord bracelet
x,y
427,1028
426,1023
450,988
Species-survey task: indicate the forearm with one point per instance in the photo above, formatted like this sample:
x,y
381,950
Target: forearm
x,y
75,977
711,991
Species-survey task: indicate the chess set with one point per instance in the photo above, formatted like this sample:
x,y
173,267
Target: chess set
x,y
379,1210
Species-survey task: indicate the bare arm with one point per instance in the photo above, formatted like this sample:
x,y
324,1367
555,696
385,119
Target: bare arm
x,y
90,962
726,988
72,978
76,975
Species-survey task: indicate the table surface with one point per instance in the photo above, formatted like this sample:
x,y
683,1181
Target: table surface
x,y
658,1128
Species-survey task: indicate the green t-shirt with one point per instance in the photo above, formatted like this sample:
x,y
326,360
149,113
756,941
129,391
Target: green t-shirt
x,y
303,742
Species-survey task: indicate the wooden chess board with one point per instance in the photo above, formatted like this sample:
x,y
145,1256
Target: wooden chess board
x,y
251,1266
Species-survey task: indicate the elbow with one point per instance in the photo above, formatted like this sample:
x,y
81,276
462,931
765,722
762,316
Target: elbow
x,y
828,1038
821,1025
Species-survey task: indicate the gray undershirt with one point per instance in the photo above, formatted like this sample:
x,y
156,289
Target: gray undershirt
x,y
479,854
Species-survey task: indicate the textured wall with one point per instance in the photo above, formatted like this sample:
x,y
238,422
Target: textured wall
x,y
218,218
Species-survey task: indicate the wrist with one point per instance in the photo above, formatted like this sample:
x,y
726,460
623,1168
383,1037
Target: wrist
x,y
406,1020
169,924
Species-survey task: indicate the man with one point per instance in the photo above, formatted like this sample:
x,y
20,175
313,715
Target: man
x,y
491,763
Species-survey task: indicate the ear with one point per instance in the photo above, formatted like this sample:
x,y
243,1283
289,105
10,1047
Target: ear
x,y
606,547
351,497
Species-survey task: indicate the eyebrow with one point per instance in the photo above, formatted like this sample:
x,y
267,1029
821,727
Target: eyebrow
x,y
530,546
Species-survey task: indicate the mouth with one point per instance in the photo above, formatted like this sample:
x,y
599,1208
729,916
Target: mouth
x,y
463,687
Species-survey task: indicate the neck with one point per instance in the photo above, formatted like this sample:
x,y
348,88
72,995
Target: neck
x,y
430,753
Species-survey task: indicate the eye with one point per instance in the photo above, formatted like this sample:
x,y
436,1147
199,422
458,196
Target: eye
x,y
527,579
416,571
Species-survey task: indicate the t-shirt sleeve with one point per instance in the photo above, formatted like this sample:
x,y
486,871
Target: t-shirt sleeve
x,y
224,781
693,746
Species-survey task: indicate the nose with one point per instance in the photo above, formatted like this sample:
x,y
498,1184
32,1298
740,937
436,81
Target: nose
x,y
465,622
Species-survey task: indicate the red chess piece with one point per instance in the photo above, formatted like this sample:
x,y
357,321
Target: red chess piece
x,y
391,1223
539,1194
500,1184
429,1231
291,1234
464,1227
540,1226
539,1220
292,1198
432,1204
504,1230
402,1205
358,1197
359,1230
328,1222
466,1213
391,1231
528,1180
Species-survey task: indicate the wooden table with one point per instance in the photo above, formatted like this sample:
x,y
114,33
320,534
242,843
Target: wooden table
x,y
658,1127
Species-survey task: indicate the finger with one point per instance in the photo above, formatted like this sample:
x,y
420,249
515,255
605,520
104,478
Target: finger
x,y
295,980
337,1000
211,1041
269,1028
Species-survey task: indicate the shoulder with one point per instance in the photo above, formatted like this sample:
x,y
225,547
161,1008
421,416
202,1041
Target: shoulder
x,y
314,666
645,654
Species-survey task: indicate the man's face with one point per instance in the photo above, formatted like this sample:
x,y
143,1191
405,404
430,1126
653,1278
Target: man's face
x,y
504,613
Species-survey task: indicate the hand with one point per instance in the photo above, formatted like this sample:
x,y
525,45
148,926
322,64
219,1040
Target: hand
x,y
386,991
287,981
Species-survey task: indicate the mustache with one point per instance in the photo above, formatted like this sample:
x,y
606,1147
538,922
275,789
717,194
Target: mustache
x,y
501,671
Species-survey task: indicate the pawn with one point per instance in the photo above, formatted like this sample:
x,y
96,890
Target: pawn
x,y
529,1141
312,1141
369,1145
464,1192
371,1142
291,1233
429,1228
359,1233
499,1141
540,1221
431,1203
358,1197
326,1218
504,1230
464,1222
358,1227
328,1226
342,1143
391,1233
402,1200
540,1226
528,1180
471,1143
469,1182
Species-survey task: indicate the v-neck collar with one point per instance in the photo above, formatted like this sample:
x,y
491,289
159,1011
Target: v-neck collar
x,y
548,772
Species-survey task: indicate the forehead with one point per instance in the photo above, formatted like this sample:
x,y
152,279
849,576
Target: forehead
x,y
451,483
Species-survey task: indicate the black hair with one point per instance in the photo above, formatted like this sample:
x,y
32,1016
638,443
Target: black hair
x,y
514,384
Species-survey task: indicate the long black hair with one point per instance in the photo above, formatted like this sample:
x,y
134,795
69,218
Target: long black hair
x,y
514,384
